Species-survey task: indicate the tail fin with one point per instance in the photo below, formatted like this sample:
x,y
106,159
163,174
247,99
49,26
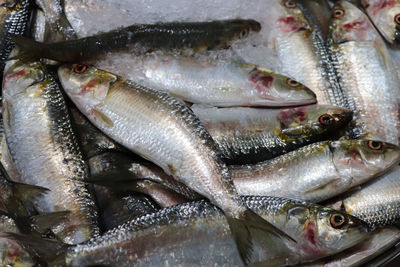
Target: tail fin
x,y
29,49
249,225
45,250
44,222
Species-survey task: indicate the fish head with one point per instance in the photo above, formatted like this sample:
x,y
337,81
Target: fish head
x,y
349,23
291,18
87,86
386,16
363,159
313,119
332,231
274,86
18,76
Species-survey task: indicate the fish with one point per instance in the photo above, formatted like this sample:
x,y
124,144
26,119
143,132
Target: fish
x,y
57,26
34,109
249,135
376,202
375,115
318,171
301,50
14,17
220,82
163,130
197,36
197,234
385,15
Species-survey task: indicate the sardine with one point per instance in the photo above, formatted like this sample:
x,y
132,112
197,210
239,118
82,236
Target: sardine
x,y
142,38
249,135
376,202
385,15
44,149
371,82
197,234
218,82
163,130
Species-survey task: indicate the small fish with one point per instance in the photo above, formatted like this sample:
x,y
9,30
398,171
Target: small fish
x,y
220,83
376,202
385,14
197,234
34,109
168,36
162,129
249,135
370,83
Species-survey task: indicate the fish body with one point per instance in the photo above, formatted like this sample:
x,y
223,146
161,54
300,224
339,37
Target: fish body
x,y
220,83
316,172
163,130
143,38
35,110
370,83
385,15
249,135
197,234
376,202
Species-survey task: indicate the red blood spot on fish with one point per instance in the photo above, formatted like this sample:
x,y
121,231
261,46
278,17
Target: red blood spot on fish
x,y
288,24
89,86
14,76
262,83
310,245
382,4
286,117
357,25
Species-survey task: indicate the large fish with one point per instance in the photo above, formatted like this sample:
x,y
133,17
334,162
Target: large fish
x,y
249,135
142,38
44,149
163,130
217,82
376,202
385,14
197,234
370,83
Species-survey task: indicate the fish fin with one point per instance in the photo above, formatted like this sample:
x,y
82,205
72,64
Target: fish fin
x,y
324,185
44,222
103,117
29,49
251,224
44,250
26,192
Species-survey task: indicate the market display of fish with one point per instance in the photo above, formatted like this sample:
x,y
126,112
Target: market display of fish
x,y
148,133
248,135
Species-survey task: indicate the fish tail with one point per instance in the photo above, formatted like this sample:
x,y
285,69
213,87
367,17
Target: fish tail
x,y
29,49
45,222
249,225
50,252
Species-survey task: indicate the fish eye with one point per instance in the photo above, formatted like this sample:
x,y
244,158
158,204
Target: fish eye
x,y
337,220
292,82
326,119
375,145
290,4
397,19
80,68
338,13
244,33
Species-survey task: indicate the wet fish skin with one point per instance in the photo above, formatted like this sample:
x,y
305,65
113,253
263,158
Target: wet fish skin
x,y
376,202
384,15
221,83
352,34
248,135
316,172
14,17
168,36
177,227
32,100
163,130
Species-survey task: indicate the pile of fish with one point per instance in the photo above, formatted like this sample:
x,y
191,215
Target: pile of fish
x,y
136,134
